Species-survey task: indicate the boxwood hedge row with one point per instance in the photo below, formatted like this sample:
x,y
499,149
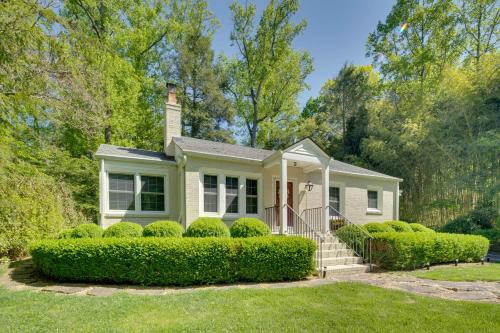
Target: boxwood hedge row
x,y
175,261
409,250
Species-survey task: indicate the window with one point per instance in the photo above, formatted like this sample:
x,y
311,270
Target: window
x,y
251,196
372,199
334,200
121,192
152,194
210,193
232,195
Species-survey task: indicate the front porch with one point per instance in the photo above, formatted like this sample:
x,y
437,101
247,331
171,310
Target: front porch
x,y
302,171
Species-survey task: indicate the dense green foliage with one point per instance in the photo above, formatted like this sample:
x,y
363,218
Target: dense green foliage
x,y
417,227
87,230
163,229
493,236
249,227
65,234
410,250
377,227
175,261
207,227
123,229
399,226
484,216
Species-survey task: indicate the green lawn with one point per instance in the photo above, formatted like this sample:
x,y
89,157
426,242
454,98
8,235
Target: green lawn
x,y
340,307
486,272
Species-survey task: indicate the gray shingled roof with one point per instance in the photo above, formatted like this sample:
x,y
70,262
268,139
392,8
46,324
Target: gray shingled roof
x,y
221,149
116,151
224,149
339,166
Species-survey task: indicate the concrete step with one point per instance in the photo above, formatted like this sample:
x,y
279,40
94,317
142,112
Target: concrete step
x,y
341,261
346,269
337,253
334,246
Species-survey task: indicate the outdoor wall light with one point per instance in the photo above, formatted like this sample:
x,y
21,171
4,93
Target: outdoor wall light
x,y
309,186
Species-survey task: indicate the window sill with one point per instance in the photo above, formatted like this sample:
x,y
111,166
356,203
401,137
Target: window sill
x,y
373,212
133,213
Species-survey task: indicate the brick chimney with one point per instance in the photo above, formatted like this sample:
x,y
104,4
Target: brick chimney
x,y
172,127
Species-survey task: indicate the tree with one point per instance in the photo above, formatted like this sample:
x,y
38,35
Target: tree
x,y
204,106
479,21
268,74
422,50
344,99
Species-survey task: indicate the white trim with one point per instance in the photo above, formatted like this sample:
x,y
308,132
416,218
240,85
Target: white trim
x,y
380,200
221,180
137,172
341,187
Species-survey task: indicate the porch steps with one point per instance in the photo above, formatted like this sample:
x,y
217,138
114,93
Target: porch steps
x,y
337,258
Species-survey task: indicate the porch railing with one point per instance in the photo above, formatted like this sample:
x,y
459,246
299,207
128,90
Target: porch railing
x,y
356,238
297,226
313,217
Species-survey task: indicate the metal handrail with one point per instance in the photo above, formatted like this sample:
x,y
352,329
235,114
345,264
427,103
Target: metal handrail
x,y
313,217
297,226
360,241
304,229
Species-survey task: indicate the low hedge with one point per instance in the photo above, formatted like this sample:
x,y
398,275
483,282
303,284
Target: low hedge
x,y
377,227
249,227
123,229
493,236
417,227
87,230
65,234
410,250
207,227
163,229
399,226
175,261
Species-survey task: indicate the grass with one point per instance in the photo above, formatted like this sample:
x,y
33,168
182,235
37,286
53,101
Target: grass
x,y
339,307
486,272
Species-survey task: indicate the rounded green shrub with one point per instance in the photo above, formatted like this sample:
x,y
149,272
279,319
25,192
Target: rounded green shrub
x,y
65,234
399,226
417,227
163,229
123,229
249,227
378,227
175,261
207,227
87,230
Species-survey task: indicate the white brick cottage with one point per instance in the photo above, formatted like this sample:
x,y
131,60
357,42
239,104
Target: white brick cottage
x,y
194,178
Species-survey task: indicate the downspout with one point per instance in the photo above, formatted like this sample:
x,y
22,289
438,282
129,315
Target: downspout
x,y
181,164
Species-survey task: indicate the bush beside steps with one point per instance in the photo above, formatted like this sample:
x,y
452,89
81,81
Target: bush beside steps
x,y
175,261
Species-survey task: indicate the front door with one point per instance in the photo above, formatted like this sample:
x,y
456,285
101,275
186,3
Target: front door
x,y
289,200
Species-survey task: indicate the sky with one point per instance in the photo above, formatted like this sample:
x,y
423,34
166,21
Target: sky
x,y
336,33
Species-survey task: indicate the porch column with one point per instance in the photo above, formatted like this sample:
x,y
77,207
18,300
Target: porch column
x,y
283,197
325,196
